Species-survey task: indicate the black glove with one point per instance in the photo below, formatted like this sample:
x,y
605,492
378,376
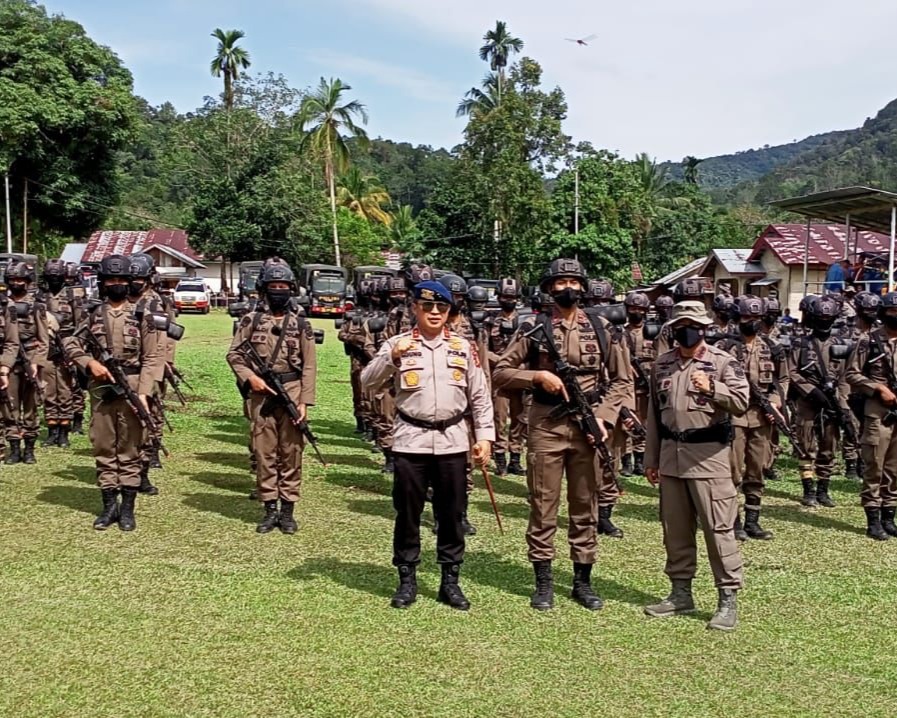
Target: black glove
x,y
818,398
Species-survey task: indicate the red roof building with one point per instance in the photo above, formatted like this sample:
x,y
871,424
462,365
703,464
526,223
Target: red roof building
x,y
171,242
789,243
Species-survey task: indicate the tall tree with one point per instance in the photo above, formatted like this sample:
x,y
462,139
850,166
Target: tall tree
x,y
480,101
228,61
498,44
690,169
325,121
362,194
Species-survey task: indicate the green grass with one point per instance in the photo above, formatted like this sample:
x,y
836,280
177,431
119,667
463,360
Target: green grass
x,y
197,615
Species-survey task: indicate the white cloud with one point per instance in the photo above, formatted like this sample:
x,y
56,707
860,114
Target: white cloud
x,y
692,77
412,82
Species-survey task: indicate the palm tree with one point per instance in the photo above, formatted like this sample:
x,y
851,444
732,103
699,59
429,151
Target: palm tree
x,y
324,120
477,101
654,179
499,44
690,167
362,195
228,61
403,232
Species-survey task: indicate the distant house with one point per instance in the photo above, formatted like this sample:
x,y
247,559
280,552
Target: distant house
x,y
780,250
170,249
731,269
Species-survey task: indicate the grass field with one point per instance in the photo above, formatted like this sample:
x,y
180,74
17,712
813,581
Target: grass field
x,y
197,615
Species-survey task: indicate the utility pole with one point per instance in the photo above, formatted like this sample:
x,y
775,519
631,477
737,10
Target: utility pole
x,y
8,217
576,201
25,221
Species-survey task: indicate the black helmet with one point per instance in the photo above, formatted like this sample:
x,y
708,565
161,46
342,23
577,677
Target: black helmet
x,y
477,295
416,273
600,289
825,307
536,300
722,303
20,270
454,283
276,270
73,273
395,284
142,265
115,265
561,268
664,301
747,306
691,288
889,300
508,288
773,308
867,303
637,300
806,303
54,268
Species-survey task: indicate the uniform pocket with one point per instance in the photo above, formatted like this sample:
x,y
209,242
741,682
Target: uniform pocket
x,y
723,505
412,379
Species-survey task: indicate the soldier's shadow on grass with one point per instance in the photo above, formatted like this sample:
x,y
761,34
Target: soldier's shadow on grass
x,y
85,474
360,461
817,518
239,483
375,579
222,458
331,427
631,487
503,485
77,498
229,506
639,512
369,481
381,508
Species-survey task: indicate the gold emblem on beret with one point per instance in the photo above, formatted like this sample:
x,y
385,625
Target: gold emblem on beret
x,y
427,294
412,379
457,375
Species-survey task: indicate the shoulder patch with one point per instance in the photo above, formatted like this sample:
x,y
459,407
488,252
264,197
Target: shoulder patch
x,y
474,354
246,321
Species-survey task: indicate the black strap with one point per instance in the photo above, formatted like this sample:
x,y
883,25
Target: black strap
x,y
823,369
289,376
719,433
431,425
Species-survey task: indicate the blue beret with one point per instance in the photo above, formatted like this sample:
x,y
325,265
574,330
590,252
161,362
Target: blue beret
x,y
433,292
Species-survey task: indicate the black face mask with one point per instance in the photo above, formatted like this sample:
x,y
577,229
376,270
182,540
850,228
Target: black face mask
x,y
748,329
117,292
508,306
278,299
18,290
822,328
688,337
56,284
769,321
566,298
890,321
135,289
396,301
635,317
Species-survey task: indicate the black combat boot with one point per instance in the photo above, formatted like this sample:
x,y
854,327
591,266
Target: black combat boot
x,y
874,529
638,468
626,465
270,519
15,452
154,461
740,533
78,424
582,591
406,593
769,473
359,425
515,468
752,525
606,527
287,523
726,616
52,436
110,510
822,497
887,520
850,468
63,441
809,498
450,592
146,486
501,464
126,520
679,602
389,463
543,598
28,454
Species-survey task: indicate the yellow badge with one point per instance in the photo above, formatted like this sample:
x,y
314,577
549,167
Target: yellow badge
x,y
412,379
457,361
456,344
457,375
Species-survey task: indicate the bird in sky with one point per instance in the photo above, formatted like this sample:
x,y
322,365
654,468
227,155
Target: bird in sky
x,y
584,42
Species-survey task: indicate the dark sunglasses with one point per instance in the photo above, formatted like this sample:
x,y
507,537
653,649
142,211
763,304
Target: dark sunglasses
x,y
440,307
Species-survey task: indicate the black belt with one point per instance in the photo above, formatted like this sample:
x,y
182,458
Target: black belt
x,y
431,425
130,370
289,376
540,396
720,433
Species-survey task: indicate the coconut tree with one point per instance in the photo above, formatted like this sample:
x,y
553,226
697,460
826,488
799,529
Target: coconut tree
x,y
477,101
228,61
326,119
690,169
498,45
362,194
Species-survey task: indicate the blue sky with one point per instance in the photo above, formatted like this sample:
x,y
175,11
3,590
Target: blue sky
x,y
697,77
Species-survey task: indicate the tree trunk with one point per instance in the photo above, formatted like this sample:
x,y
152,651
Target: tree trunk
x,y
328,168
224,275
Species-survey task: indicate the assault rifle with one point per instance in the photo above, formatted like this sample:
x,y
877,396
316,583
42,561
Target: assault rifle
x,y
767,407
33,379
577,405
281,397
175,379
638,429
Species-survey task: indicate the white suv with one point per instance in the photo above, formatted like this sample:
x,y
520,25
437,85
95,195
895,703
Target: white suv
x,y
192,295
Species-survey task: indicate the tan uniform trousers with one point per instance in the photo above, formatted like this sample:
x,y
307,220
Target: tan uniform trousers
x,y
608,475
510,422
820,446
78,404
563,451
641,409
58,408
355,368
713,502
384,417
117,438
751,452
278,452
22,422
879,452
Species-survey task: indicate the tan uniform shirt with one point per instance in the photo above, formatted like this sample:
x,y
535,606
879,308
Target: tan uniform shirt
x,y
763,371
873,362
435,381
33,332
9,336
296,354
804,367
677,405
641,352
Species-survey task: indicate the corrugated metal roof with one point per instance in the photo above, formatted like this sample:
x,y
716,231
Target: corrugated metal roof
x,y
73,252
734,261
102,244
869,208
692,269
788,242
